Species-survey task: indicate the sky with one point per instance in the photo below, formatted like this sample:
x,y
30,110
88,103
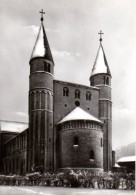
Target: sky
x,y
72,28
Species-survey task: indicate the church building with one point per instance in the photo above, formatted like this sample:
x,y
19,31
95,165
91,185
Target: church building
x,y
70,125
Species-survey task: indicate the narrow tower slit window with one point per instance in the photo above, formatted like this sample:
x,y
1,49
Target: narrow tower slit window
x,y
49,68
107,81
45,66
101,142
77,94
65,91
76,141
91,155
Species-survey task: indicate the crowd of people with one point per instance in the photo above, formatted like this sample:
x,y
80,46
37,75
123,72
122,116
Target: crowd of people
x,y
71,178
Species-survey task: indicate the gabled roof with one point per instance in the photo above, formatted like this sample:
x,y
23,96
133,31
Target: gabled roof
x,y
41,47
100,64
79,114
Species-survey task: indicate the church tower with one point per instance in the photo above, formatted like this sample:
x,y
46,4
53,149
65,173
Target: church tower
x,y
101,78
40,134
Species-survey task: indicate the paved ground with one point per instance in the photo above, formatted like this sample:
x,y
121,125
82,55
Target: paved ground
x,y
9,190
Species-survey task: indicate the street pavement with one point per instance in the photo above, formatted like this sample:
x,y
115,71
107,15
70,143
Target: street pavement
x,y
36,190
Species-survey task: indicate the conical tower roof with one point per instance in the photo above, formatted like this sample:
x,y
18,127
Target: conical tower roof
x,y
100,64
41,47
79,114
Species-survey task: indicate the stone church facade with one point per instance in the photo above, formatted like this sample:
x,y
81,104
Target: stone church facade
x,y
70,125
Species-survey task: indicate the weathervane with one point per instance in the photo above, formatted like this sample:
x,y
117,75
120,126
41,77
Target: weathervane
x,y
100,33
42,12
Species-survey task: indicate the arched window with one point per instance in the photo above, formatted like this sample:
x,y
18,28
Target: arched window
x,y
88,95
77,94
65,91
91,154
76,141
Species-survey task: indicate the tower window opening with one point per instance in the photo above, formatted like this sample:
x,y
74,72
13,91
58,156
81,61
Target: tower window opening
x,y
101,142
77,94
88,96
91,154
107,81
76,141
47,67
65,91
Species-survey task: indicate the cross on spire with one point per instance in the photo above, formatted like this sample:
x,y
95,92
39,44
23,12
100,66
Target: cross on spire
x,y
100,33
42,12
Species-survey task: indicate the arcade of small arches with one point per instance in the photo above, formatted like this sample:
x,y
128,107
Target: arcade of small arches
x,y
79,125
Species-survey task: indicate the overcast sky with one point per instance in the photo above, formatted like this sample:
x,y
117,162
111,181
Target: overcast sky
x,y
72,28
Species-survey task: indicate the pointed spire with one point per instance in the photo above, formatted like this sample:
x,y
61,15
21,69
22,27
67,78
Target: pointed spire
x,y
41,47
100,64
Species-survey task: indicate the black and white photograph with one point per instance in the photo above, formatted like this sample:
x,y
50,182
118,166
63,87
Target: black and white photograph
x,y
68,97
